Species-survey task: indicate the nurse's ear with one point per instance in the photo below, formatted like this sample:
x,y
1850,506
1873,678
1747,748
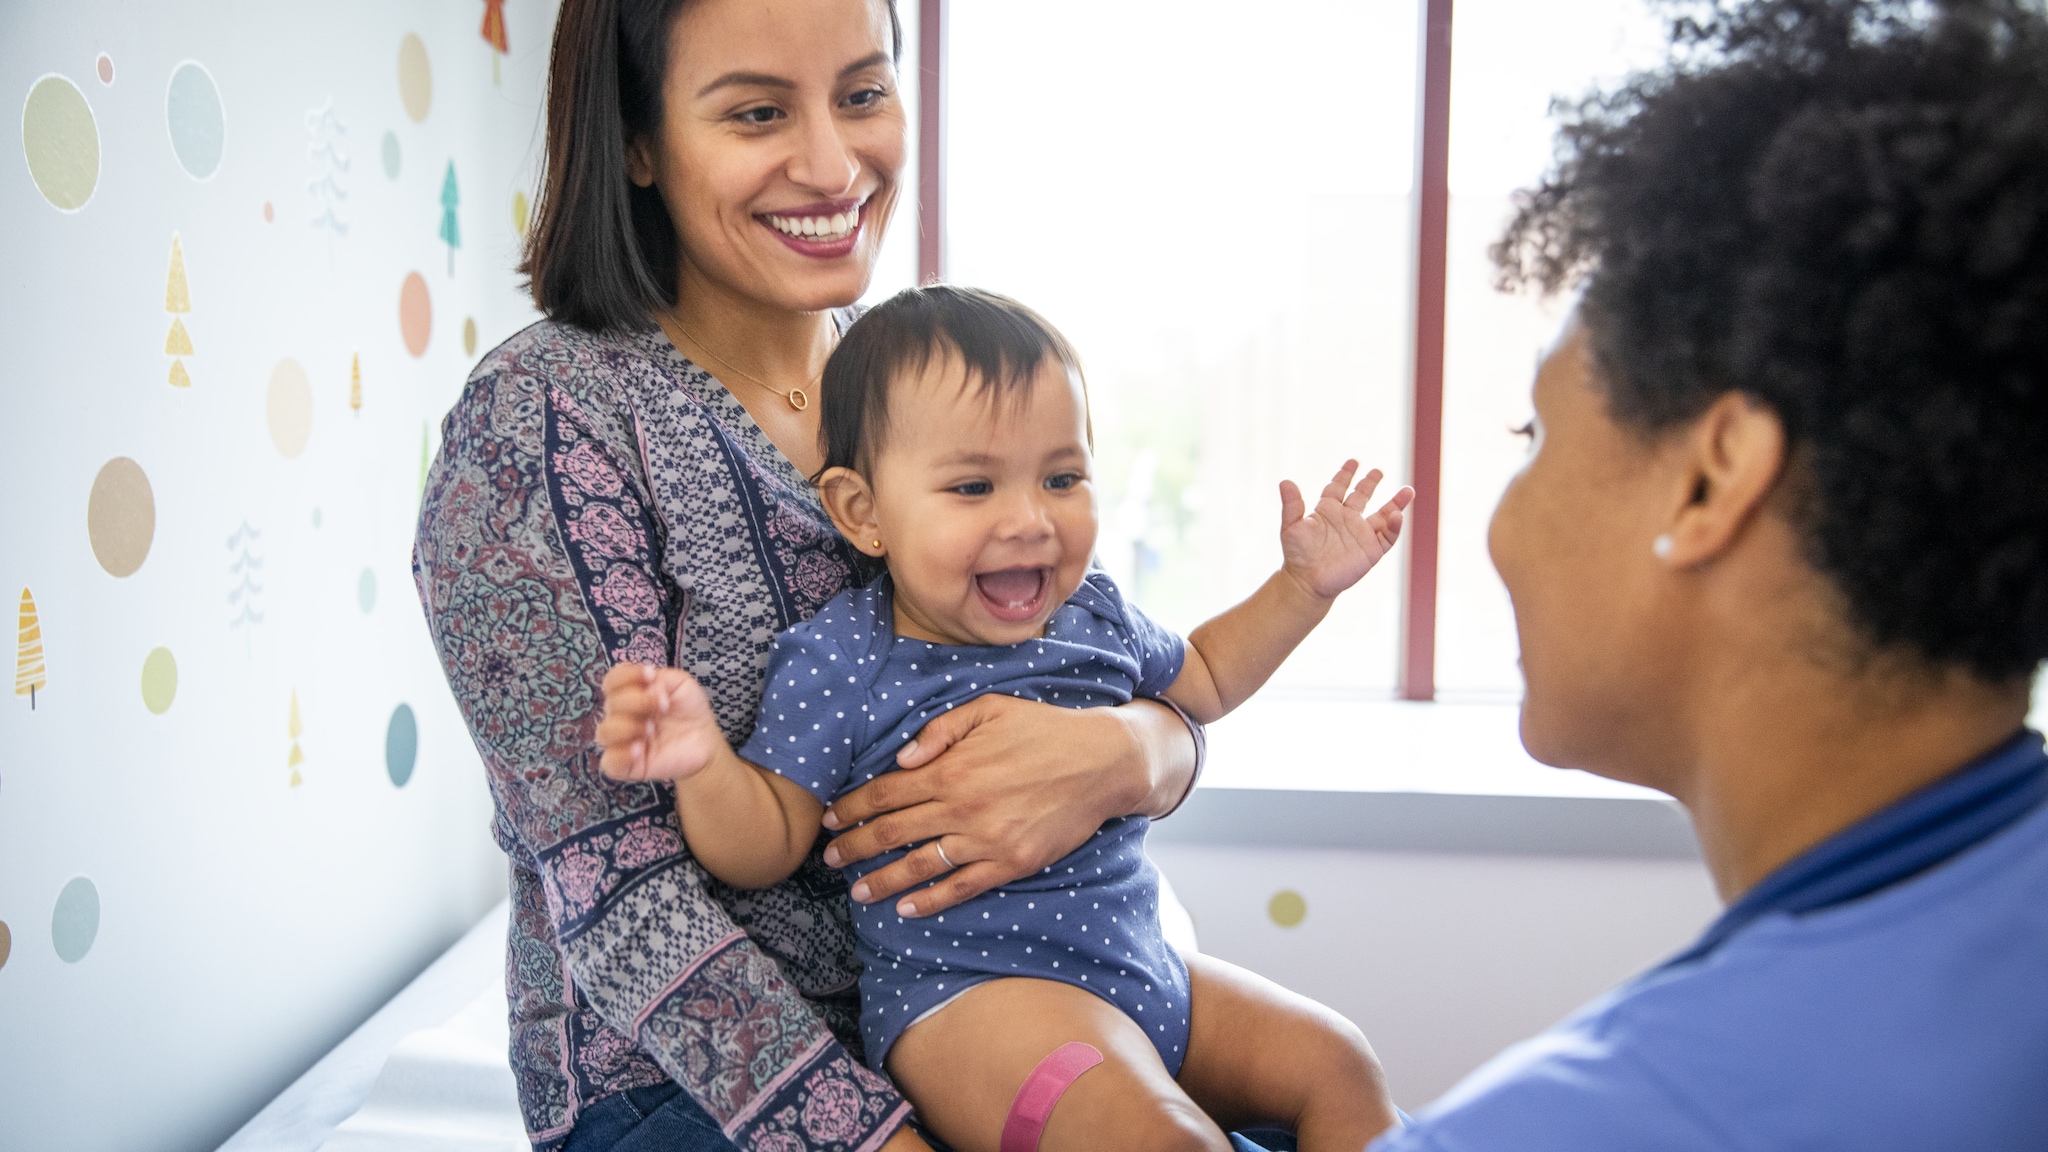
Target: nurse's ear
x,y
851,503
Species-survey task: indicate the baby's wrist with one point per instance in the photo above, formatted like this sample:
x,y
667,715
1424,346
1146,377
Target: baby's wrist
x,y
1303,589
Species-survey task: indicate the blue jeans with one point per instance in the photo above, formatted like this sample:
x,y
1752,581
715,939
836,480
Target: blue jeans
x,y
663,1118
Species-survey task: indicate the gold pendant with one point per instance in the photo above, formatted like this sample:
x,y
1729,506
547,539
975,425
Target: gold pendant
x,y
798,399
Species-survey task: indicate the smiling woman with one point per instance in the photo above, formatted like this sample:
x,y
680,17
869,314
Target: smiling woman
x,y
627,481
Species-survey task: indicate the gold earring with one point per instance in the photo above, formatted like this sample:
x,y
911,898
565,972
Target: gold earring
x,y
878,545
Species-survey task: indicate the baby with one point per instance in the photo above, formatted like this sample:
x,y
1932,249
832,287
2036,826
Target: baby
x,y
955,427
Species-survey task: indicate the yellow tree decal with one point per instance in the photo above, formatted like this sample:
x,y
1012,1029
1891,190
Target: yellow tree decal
x,y
177,301
296,729
355,383
28,653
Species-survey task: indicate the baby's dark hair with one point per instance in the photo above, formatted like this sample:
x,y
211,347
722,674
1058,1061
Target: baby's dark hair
x,y
1838,208
1001,341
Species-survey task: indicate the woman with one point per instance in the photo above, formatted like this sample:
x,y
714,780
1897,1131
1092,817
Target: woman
x,y
1781,550
625,481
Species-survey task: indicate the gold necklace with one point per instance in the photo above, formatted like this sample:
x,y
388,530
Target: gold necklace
x,y
797,397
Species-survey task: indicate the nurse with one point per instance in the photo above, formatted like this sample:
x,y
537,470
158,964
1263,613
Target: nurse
x,y
1780,549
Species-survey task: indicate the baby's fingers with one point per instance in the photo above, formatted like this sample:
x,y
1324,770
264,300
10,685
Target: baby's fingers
x,y
1341,482
1291,505
1362,495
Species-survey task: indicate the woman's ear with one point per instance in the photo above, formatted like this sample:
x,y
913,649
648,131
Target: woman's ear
x,y
851,504
639,161
1732,458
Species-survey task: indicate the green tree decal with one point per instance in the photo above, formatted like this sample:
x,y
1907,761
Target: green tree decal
x,y
450,230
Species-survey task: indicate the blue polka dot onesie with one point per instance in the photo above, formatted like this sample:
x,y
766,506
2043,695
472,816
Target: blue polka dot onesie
x,y
845,694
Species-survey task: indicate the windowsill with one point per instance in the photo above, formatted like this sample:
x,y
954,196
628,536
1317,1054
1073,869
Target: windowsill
x,y
1384,775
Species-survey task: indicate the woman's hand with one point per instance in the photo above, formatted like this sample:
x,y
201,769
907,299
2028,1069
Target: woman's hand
x,y
1010,786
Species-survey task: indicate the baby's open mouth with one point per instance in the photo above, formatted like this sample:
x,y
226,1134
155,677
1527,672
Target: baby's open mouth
x,y
1014,595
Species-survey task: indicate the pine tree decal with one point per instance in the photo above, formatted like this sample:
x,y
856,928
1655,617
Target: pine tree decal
x,y
295,729
355,383
28,653
494,33
177,301
450,230
242,596
330,164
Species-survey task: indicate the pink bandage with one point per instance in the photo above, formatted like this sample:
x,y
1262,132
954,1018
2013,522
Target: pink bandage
x,y
1043,1089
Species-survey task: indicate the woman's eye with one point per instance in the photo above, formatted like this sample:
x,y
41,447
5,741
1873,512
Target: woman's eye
x,y
867,97
766,114
974,488
1063,481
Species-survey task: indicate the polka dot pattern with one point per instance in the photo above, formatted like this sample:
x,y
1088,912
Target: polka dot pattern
x,y
844,695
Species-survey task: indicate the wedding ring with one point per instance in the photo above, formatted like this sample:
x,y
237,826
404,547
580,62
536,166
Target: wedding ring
x,y
950,866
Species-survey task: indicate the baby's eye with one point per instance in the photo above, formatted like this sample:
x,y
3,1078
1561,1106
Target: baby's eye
x,y
974,488
1527,431
1062,481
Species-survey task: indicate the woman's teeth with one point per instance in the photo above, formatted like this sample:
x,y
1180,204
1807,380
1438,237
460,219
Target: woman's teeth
x,y
835,227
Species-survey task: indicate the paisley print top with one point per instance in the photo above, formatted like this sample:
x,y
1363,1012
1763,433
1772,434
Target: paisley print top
x,y
599,498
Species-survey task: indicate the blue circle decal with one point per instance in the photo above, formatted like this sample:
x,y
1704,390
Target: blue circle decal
x,y
401,745
76,920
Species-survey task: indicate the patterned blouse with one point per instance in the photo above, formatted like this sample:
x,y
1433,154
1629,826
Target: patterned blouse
x,y
599,499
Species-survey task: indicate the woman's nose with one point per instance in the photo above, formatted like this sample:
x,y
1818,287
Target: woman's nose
x,y
823,162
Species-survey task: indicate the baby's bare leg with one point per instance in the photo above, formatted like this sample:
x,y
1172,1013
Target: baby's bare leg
x,y
963,1066
1261,1055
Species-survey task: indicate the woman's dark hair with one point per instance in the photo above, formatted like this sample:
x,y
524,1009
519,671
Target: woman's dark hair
x,y
1000,341
1839,209
602,251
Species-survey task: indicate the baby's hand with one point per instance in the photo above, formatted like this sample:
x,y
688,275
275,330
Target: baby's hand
x,y
1333,547
657,724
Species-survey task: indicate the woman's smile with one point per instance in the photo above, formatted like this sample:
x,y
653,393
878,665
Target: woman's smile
x,y
824,230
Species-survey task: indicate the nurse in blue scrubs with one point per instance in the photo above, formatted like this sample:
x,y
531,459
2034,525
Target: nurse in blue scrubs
x,y
1780,549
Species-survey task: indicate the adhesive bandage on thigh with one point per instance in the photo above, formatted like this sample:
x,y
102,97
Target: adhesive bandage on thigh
x,y
1043,1089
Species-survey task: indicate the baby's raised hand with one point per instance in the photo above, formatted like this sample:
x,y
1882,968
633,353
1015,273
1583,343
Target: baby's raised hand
x,y
657,724
1334,546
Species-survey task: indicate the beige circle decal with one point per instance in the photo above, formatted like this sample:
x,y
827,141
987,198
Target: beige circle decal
x,y
62,143
159,680
289,407
120,516
415,314
415,78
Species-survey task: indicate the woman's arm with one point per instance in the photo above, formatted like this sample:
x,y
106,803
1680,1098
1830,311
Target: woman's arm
x,y
1012,785
536,565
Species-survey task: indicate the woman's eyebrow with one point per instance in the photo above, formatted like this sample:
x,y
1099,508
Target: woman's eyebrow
x,y
764,80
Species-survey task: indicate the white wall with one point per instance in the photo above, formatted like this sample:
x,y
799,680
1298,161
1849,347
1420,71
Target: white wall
x,y
1442,959
245,922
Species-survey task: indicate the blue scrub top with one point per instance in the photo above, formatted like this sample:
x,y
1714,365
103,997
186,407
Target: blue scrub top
x,y
1888,990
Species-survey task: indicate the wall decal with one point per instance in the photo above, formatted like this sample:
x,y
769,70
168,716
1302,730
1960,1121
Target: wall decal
x,y
451,232
120,516
269,213
355,383
178,302
401,745
391,156
61,141
159,680
104,67
198,127
296,730
366,590
289,408
469,335
424,458
316,518
29,674
330,165
75,921
494,34
242,596
415,78
520,209
6,943
1287,908
415,314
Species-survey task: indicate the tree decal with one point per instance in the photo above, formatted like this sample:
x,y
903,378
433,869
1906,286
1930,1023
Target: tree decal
x,y
330,164
355,383
494,33
451,232
242,597
177,301
29,677
295,730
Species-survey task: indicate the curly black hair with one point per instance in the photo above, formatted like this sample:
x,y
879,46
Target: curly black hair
x,y
1840,209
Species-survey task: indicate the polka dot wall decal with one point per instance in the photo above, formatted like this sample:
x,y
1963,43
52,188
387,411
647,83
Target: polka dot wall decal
x,y
289,408
6,943
520,209
317,518
75,921
193,114
61,141
391,156
415,78
104,67
469,335
120,516
401,745
415,314
269,213
159,680
366,590
1287,908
